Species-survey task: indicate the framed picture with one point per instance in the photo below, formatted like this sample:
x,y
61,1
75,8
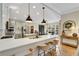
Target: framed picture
x,y
69,24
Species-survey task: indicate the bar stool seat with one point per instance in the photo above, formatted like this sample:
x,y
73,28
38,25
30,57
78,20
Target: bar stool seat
x,y
42,49
52,53
51,49
49,44
55,42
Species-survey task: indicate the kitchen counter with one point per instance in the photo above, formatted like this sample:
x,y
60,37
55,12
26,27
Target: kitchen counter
x,y
7,45
30,34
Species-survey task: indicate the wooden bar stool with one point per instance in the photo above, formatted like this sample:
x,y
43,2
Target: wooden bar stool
x,y
51,50
55,42
53,47
51,44
42,49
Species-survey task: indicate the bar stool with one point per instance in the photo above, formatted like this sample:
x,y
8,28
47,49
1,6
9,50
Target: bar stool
x,y
53,47
55,42
57,47
30,52
51,43
51,50
42,49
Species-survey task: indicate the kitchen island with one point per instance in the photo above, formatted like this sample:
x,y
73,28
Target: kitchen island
x,y
19,47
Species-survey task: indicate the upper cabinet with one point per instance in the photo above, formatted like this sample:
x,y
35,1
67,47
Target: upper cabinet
x,y
53,28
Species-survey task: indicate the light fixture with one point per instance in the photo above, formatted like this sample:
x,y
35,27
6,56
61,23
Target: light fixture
x,y
28,18
37,13
34,7
13,7
3,15
17,12
14,17
43,21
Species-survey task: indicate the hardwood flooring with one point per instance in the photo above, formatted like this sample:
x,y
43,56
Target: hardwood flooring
x,y
67,50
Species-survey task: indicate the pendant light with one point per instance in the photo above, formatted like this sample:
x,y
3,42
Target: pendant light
x,y
28,18
43,21
7,22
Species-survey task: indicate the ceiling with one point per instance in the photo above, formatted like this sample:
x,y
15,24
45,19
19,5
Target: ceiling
x,y
64,8
53,11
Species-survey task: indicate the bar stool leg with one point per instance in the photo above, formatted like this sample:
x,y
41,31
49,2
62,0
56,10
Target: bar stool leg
x,y
38,52
44,53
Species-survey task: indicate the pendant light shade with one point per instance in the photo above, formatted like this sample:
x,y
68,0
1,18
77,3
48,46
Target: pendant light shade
x,y
28,18
43,21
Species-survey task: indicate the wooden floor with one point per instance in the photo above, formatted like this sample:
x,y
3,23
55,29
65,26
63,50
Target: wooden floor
x,y
67,50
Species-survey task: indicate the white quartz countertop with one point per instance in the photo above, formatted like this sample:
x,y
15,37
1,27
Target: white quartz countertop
x,y
30,34
6,44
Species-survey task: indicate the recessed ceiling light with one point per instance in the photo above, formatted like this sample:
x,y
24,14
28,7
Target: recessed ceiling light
x,y
14,17
34,6
3,15
13,7
17,12
37,13
24,15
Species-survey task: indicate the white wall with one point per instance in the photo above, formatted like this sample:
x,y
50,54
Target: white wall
x,y
5,16
0,19
0,15
71,16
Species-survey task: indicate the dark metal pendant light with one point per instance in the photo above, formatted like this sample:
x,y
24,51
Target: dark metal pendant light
x,y
28,18
43,21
